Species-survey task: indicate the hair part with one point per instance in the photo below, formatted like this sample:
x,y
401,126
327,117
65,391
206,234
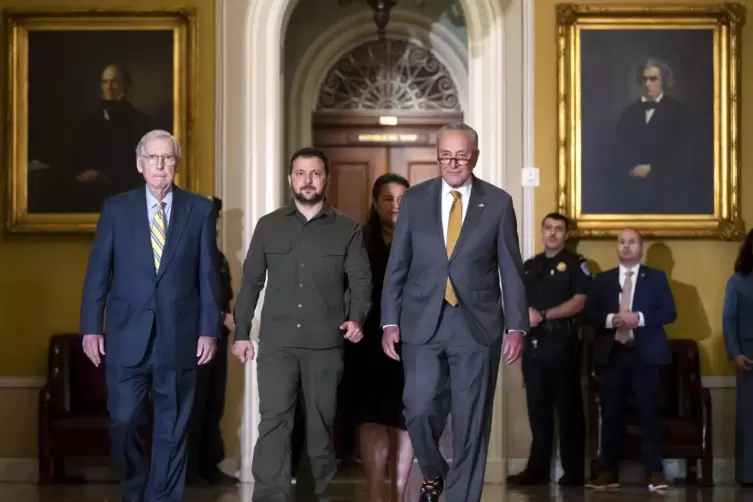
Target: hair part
x,y
744,262
158,134
309,152
460,126
557,217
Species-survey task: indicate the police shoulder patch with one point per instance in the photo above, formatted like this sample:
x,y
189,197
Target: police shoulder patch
x,y
584,267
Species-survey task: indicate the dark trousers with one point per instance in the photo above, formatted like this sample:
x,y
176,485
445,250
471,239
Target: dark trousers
x,y
551,371
628,371
280,372
172,391
206,448
451,373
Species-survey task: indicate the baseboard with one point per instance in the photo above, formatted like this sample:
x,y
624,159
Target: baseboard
x,y
22,382
719,382
26,470
633,473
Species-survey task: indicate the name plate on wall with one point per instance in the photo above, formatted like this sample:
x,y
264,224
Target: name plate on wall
x,y
391,138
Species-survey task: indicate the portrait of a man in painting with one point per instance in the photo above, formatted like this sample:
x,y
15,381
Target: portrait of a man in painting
x,y
647,122
92,96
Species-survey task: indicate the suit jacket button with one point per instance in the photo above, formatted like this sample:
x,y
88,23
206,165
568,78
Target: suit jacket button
x,y
151,311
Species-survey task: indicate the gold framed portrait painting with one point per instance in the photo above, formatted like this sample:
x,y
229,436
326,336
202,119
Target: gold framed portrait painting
x,y
648,119
84,87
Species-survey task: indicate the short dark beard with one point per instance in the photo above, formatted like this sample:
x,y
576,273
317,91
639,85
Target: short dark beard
x,y
308,201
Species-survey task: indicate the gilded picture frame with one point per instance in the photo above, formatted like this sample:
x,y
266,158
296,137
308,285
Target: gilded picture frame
x,y
648,119
83,88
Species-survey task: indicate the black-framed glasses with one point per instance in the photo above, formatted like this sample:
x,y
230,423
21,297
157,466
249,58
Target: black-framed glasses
x,y
446,161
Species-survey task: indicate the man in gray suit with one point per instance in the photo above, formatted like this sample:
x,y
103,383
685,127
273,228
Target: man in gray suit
x,y
456,236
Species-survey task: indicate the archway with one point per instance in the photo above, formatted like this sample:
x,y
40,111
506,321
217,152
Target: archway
x,y
251,151
342,38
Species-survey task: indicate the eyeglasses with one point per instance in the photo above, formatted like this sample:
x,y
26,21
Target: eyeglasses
x,y
446,161
168,160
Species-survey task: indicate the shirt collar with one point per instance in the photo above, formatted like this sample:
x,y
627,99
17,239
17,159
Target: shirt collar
x,y
327,209
464,189
151,200
657,100
624,270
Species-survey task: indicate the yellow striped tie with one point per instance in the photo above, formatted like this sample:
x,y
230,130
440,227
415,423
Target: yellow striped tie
x,y
158,233
453,232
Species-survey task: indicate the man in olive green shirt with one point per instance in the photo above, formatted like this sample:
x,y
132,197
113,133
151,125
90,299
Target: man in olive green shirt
x,y
311,253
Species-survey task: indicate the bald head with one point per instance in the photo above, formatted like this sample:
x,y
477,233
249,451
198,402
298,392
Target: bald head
x,y
630,247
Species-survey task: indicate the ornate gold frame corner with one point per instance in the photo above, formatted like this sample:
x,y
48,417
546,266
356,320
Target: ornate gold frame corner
x,y
726,19
18,23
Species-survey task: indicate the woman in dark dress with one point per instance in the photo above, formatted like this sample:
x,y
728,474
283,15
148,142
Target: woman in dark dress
x,y
383,438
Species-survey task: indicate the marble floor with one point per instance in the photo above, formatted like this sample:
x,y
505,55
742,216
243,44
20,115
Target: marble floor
x,y
353,492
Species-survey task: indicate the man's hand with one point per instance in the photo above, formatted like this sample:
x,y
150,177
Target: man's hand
x,y
205,350
390,338
534,317
512,348
229,321
352,330
243,350
618,321
640,171
744,363
631,319
94,347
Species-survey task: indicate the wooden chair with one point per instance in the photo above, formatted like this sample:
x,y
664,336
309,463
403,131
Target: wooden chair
x,y
686,414
73,417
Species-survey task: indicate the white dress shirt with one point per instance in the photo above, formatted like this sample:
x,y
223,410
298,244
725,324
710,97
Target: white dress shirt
x,y
623,276
447,199
151,206
650,113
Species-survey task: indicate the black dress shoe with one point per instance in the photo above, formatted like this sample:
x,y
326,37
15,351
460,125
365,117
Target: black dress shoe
x,y
527,478
431,490
568,480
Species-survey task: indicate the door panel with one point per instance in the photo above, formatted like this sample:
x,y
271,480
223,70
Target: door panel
x,y
416,163
353,171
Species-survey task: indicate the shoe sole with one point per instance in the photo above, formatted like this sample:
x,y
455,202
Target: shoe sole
x,y
611,486
657,488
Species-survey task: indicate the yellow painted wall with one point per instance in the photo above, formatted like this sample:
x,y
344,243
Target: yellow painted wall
x,y
698,270
41,276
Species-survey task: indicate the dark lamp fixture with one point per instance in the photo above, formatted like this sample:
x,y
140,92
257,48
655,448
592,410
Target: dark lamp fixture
x,y
382,9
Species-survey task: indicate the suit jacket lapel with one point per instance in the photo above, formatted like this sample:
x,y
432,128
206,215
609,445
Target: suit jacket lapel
x,y
435,198
142,239
178,218
638,282
470,222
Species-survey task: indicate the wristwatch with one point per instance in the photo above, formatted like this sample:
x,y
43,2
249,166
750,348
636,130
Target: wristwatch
x,y
543,316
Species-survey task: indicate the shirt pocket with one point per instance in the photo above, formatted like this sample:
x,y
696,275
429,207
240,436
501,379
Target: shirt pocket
x,y
329,261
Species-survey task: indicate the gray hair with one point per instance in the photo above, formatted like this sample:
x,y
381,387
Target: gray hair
x,y
460,126
158,134
667,76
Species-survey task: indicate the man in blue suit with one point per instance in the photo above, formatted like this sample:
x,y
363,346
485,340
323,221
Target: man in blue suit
x,y
628,308
154,272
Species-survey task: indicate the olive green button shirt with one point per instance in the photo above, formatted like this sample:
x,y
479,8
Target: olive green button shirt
x,y
307,267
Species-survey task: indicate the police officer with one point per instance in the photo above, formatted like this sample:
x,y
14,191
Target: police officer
x,y
557,282
206,447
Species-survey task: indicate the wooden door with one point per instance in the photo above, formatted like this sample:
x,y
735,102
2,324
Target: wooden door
x,y
353,171
416,163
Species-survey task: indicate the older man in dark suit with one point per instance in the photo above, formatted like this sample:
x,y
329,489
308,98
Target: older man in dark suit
x,y
154,268
455,238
